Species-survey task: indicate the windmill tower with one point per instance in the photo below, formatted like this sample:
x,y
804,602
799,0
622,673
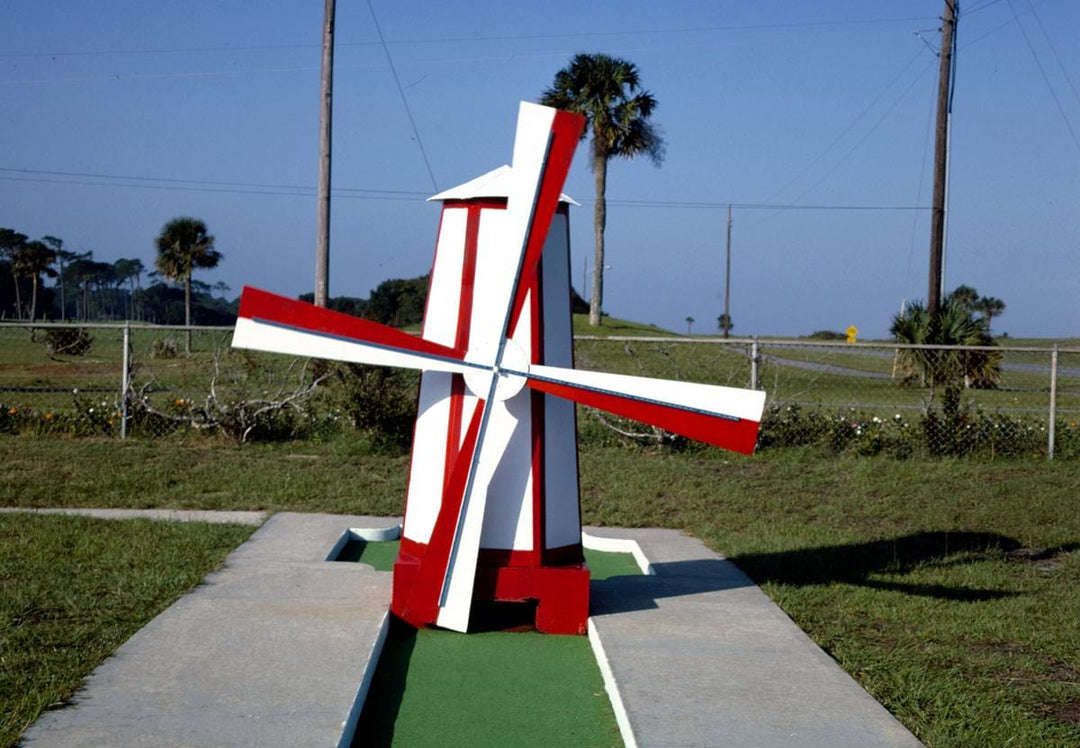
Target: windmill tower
x,y
492,509
530,543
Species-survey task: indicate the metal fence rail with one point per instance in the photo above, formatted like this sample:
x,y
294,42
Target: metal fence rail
x,y
151,380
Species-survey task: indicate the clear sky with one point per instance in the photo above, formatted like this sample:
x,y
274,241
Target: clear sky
x,y
120,115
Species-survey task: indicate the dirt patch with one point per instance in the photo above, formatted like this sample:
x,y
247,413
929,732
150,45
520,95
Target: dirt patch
x,y
1069,712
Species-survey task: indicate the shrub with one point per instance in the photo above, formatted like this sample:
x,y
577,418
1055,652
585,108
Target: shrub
x,y
67,341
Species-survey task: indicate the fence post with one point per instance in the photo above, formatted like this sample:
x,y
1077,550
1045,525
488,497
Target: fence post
x,y
125,381
1053,403
754,363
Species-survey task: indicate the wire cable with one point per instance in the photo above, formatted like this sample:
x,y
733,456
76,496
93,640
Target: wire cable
x,y
404,99
456,39
1046,78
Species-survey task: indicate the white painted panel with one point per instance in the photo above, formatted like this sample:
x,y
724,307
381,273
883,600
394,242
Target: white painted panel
x,y
444,295
555,269
730,401
562,524
508,521
508,524
427,469
495,261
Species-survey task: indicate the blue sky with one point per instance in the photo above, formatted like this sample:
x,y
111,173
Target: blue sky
x,y
825,106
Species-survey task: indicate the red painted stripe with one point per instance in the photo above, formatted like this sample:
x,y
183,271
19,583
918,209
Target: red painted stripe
x,y
256,304
422,607
738,435
566,129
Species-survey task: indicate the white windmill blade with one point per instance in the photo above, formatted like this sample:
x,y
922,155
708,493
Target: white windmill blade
x,y
544,146
496,431
725,416
277,324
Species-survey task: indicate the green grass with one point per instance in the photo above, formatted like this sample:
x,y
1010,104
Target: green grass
x,y
73,589
949,588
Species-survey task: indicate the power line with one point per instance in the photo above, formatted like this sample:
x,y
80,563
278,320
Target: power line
x,y
1053,51
849,128
404,99
490,38
211,182
287,190
1046,78
755,206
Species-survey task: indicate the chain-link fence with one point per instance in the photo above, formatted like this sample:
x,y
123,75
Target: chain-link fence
x,y
875,397
151,381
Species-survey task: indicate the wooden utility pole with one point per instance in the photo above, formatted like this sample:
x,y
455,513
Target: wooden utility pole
x,y
941,149
326,108
727,277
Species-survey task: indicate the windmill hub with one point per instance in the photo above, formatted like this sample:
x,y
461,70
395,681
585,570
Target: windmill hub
x,y
510,372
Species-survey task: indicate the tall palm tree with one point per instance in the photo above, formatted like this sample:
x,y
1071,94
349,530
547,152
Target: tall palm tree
x,y
11,242
617,110
32,260
129,271
182,246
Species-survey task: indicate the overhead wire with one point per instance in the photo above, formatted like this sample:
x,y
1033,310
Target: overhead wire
x,y
94,179
404,98
1053,51
1045,77
456,39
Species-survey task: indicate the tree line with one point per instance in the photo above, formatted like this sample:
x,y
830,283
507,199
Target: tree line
x,y
86,289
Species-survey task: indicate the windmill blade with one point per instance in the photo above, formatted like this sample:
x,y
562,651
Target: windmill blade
x,y
422,603
268,322
444,588
725,416
543,150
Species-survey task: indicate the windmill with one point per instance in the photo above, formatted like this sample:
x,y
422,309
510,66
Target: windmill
x,y
492,510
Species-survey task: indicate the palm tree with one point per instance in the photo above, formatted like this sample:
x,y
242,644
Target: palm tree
x,y
953,325
724,324
56,244
129,271
965,295
607,91
182,246
989,307
690,325
32,260
11,242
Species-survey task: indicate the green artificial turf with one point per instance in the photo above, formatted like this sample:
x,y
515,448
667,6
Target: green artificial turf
x,y
380,556
440,688
488,687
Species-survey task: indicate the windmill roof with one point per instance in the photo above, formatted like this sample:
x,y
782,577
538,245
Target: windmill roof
x,y
495,183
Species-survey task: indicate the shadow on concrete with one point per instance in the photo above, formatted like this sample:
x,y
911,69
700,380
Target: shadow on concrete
x,y
674,579
855,563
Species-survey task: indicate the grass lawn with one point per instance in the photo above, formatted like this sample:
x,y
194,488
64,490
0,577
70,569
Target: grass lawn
x,y
949,588
73,589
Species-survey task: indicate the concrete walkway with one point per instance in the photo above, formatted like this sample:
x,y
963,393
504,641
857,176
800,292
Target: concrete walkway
x,y
271,649
701,657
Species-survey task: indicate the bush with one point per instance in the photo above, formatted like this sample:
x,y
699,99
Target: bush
x,y
67,341
166,348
